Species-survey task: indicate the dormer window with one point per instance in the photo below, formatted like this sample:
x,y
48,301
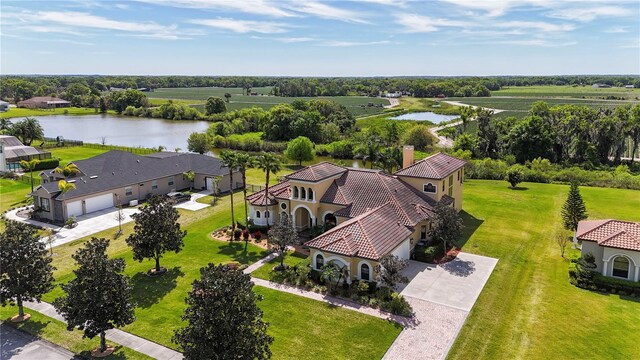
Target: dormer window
x,y
429,188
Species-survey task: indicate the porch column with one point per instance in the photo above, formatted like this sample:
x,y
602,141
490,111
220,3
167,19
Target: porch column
x,y
637,273
604,267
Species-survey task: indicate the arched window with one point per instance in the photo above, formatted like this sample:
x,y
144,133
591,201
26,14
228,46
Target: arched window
x,y
258,214
319,261
310,194
266,214
429,188
303,193
364,272
621,267
295,192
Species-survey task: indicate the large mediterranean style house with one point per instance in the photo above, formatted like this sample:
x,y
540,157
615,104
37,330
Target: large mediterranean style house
x,y
615,244
370,213
121,178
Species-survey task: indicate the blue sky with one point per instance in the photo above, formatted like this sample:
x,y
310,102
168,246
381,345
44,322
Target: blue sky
x,y
320,38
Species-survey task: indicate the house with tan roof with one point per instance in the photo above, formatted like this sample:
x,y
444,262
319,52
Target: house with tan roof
x,y
369,213
615,244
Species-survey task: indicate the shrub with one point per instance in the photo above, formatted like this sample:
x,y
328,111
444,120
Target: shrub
x,y
236,234
71,222
429,254
397,305
47,164
257,235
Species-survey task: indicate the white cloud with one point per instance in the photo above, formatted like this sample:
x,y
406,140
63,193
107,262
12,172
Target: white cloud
x,y
325,11
243,26
590,14
353,43
535,25
53,29
417,23
536,42
258,7
74,19
294,39
616,30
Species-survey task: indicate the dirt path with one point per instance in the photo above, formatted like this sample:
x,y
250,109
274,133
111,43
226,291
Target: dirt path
x,y
392,103
446,142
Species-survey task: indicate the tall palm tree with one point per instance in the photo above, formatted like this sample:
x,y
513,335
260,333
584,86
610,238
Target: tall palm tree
x,y
269,163
245,161
229,159
68,170
30,166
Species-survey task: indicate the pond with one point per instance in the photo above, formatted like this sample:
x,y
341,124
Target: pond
x,y
425,115
121,130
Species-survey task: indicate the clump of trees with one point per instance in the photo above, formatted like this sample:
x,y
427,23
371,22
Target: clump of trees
x,y
222,318
300,149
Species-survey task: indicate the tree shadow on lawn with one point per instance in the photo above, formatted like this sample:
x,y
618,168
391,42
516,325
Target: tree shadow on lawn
x,y
471,224
118,354
149,290
236,251
32,327
519,188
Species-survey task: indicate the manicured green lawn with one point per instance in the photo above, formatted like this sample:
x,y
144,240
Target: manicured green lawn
x,y
265,272
56,332
528,309
73,153
13,194
309,329
22,112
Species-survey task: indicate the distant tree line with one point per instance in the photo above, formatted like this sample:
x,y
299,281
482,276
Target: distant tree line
x,y
83,90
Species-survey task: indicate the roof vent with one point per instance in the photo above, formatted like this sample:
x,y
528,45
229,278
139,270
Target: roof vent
x,y
93,177
138,160
112,173
136,173
71,181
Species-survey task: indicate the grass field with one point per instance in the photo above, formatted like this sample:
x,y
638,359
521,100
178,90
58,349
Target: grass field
x,y
56,332
191,96
528,309
523,104
22,112
567,91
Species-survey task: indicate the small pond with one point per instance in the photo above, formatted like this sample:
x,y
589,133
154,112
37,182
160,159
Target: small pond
x,y
425,115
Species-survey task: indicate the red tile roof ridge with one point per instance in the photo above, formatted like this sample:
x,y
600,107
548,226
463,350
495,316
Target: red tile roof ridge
x,y
612,236
420,161
312,167
393,198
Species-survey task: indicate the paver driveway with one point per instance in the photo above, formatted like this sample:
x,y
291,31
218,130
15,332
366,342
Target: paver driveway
x,y
441,297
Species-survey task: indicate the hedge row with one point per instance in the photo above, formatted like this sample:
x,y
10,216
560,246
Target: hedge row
x,y
599,282
247,144
47,164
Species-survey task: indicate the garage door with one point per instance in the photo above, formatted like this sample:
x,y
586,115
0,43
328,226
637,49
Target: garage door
x,y
98,203
74,208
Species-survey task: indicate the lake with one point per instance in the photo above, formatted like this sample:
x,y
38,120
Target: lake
x,y
121,130
425,115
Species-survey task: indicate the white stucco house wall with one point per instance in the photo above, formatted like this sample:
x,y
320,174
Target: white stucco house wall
x,y
615,244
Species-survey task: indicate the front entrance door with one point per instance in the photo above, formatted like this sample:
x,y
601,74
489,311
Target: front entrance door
x,y
209,183
423,232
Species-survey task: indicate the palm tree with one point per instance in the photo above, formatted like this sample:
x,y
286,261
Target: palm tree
x,y
466,113
245,161
269,163
65,187
369,149
191,176
30,166
68,170
229,159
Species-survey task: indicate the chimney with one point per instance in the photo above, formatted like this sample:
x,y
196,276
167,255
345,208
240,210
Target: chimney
x,y
407,156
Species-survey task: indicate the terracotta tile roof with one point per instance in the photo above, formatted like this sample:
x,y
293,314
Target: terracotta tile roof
x,y
436,166
360,190
281,191
370,235
317,172
610,233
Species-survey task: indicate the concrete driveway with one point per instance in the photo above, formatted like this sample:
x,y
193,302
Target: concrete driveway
x,y
87,224
16,345
192,204
455,284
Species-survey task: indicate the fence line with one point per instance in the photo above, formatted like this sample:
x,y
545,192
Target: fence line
x,y
134,150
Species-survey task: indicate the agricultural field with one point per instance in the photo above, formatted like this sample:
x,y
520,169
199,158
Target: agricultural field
x,y
357,105
568,91
522,104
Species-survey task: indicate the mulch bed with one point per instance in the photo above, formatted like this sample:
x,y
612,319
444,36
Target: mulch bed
x,y
153,272
96,353
451,255
18,318
222,236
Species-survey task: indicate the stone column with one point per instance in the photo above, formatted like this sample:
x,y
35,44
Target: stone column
x,y
637,273
605,264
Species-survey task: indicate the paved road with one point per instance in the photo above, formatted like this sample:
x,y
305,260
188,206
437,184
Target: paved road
x,y
16,345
